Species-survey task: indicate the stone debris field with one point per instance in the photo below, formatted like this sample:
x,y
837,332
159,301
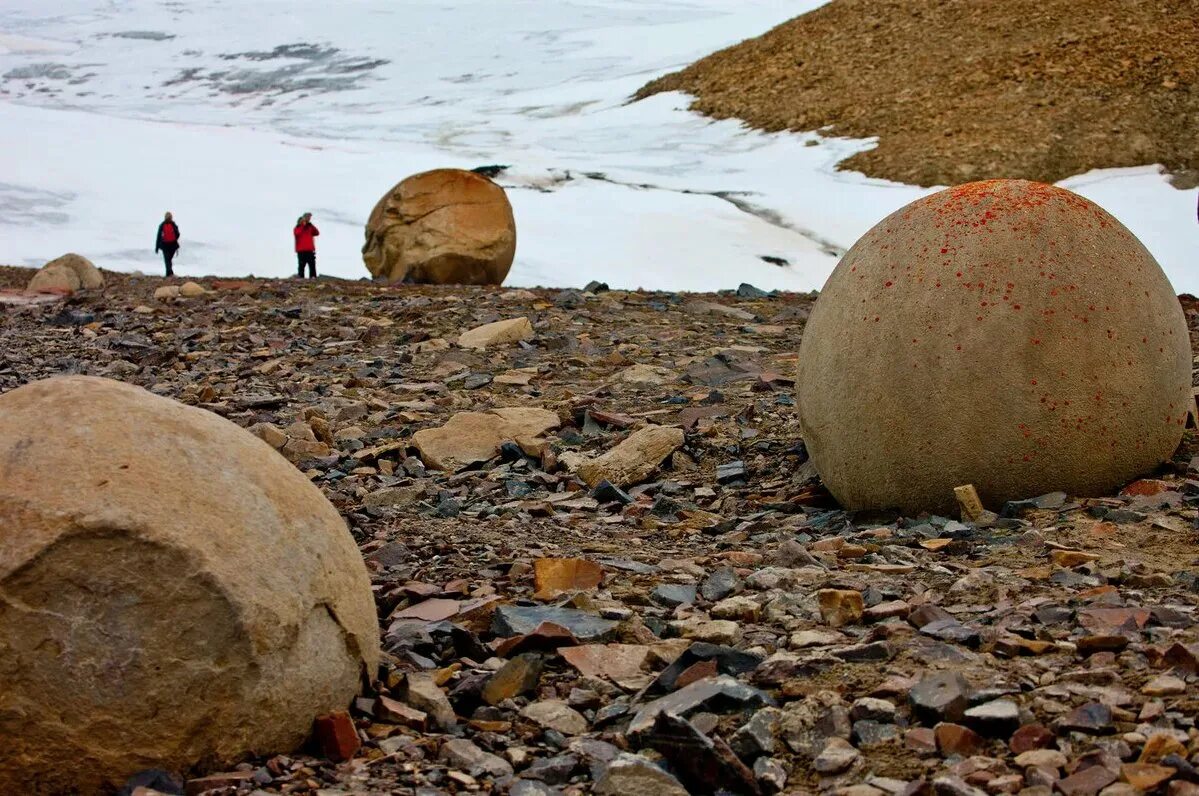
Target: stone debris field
x,y
602,561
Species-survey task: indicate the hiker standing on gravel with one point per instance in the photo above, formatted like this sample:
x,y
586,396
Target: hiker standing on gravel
x,y
306,233
167,241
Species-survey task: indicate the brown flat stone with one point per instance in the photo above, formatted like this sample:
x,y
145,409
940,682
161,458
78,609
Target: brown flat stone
x,y
1101,643
554,576
1071,558
1145,776
1158,746
611,661
517,676
1031,736
921,739
396,712
434,610
695,672
1087,782
546,636
954,739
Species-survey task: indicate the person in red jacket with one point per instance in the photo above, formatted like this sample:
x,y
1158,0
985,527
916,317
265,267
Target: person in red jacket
x,y
167,241
306,233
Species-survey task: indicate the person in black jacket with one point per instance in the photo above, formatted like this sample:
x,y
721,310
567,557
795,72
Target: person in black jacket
x,y
167,241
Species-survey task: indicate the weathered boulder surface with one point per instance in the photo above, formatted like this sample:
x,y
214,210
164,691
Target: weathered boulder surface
x,y
173,593
1006,334
441,227
89,275
55,279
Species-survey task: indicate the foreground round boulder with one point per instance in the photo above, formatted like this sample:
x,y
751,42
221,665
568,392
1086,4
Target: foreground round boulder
x,y
173,594
441,227
1006,334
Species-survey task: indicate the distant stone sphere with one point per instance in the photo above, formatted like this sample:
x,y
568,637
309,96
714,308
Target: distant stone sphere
x,y
441,227
1006,334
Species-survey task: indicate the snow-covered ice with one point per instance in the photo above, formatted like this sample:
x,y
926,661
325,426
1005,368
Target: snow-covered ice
x,y
239,116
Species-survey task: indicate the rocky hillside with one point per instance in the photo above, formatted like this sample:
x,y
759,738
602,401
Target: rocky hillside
x,y
650,593
957,90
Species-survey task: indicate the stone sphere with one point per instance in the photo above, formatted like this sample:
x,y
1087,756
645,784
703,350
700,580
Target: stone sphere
x,y
441,227
53,278
89,275
1006,334
67,274
173,593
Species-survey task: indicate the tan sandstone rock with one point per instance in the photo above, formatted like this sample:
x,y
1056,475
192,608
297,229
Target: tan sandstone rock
x,y
1005,334
89,275
192,290
471,437
172,592
648,375
441,227
635,458
55,279
511,330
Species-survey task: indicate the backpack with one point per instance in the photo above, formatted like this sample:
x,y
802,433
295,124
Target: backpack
x,y
168,233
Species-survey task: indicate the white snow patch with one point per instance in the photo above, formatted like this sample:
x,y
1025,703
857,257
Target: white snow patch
x,y
239,116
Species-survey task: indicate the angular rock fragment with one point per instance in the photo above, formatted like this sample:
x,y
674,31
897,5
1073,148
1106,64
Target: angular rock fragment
x,y
512,330
634,459
715,694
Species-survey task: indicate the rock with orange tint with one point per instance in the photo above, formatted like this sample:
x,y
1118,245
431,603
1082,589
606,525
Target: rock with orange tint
x,y
1072,558
1146,487
840,607
335,736
1005,334
441,227
554,576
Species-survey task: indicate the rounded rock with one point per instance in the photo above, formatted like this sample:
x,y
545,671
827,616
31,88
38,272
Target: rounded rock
x,y
55,278
1006,334
441,227
89,275
173,594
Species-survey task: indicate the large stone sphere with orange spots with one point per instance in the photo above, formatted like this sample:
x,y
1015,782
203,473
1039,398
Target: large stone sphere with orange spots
x,y
1006,334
